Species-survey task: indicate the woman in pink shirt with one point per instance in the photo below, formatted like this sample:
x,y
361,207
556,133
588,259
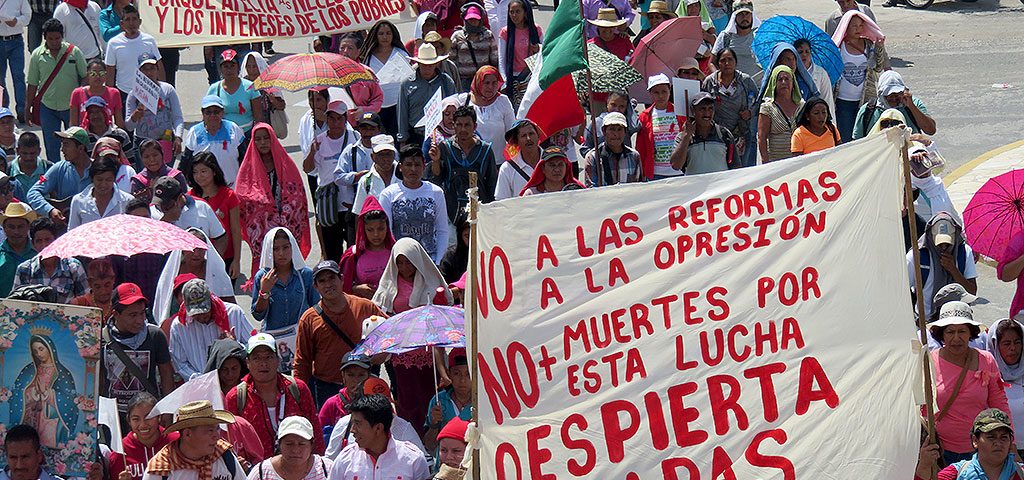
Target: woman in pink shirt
x,y
94,87
517,41
967,380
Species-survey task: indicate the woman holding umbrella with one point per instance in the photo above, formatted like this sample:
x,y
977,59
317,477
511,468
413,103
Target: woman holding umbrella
x,y
383,45
270,99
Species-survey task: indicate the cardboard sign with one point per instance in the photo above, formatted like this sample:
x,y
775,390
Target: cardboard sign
x,y
147,92
176,23
751,324
684,89
49,357
432,113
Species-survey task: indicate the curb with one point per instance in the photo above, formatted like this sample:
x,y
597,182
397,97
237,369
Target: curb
x,y
971,165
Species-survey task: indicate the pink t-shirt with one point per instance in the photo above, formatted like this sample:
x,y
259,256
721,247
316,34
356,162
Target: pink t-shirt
x,y
401,302
981,389
81,94
370,267
522,47
1013,251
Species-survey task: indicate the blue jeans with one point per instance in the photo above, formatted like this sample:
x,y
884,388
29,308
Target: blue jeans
x,y
35,29
53,121
846,117
12,53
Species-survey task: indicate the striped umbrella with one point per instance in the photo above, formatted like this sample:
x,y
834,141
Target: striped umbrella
x,y
305,70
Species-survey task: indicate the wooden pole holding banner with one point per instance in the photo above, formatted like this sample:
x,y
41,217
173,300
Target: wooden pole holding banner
x,y
474,204
908,193
590,100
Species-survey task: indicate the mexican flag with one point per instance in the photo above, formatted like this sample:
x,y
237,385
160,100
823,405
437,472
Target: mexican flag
x,y
550,100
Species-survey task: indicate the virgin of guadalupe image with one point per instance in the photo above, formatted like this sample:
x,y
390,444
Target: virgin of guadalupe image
x,y
44,394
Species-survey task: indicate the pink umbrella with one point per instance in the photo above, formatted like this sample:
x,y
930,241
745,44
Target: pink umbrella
x,y
123,235
995,215
663,50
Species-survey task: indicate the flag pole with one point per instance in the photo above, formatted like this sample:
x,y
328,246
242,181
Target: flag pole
x,y
474,204
590,100
908,195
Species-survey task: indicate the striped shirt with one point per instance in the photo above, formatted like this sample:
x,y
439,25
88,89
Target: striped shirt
x,y
68,279
190,341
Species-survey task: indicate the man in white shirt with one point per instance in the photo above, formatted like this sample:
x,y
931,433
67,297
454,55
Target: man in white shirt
x,y
14,15
124,50
207,319
515,173
382,172
82,28
24,456
323,158
415,208
375,453
170,204
401,429
199,447
356,160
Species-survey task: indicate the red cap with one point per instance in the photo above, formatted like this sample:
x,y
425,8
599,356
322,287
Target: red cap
x,y
455,355
455,429
181,279
128,294
228,56
376,386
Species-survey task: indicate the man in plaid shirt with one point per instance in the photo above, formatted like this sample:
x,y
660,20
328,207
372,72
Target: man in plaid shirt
x,y
65,276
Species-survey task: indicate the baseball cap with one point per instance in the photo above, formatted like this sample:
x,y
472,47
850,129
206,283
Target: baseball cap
x,y
457,357
182,279
383,142
326,266
473,13
742,6
659,79
77,134
105,150
701,97
337,106
991,419
262,339
369,118
615,118
295,425
454,429
147,57
228,56
197,297
212,101
942,232
127,294
953,292
351,359
552,152
5,112
165,189
376,386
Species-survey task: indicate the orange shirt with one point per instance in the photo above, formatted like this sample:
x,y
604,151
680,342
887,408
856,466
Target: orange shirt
x,y
318,348
806,142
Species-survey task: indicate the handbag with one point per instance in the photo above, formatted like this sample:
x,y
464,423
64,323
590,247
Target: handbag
x,y
37,101
279,122
326,205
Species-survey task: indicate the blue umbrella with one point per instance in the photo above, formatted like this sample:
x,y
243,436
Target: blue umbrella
x,y
789,29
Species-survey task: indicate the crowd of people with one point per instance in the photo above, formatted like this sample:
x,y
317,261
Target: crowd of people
x,y
389,200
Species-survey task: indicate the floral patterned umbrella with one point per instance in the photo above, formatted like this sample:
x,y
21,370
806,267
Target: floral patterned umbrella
x,y
123,235
305,70
426,326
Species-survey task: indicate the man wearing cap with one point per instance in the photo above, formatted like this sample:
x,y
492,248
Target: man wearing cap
x,y
65,276
170,204
355,162
266,397
380,175
133,352
168,115
25,457
893,93
323,159
55,106
739,35
355,369
123,51
223,138
342,435
327,331
612,162
205,319
451,448
16,248
945,258
609,36
51,195
375,452
705,147
200,452
524,136
418,209
8,193
81,20
992,437
443,46
417,92
100,124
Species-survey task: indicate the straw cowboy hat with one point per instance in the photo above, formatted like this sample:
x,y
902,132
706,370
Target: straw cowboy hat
x,y
608,17
434,37
660,7
427,55
18,210
199,413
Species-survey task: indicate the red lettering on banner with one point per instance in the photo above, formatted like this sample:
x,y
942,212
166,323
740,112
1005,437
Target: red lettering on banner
x,y
670,468
756,458
805,193
769,403
545,252
511,388
581,244
627,225
535,454
722,404
656,416
485,284
811,374
609,236
721,465
790,288
615,433
682,416
681,363
827,181
548,292
782,191
506,450
590,459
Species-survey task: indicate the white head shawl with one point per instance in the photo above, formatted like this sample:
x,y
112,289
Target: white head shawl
x,y
216,277
262,65
731,27
267,255
425,284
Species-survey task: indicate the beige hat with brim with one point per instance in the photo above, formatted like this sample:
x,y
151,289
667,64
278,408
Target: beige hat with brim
x,y
197,414
427,55
608,17
660,7
434,37
18,210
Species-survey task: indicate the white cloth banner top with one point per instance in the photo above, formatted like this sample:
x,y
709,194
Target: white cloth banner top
x,y
180,23
749,324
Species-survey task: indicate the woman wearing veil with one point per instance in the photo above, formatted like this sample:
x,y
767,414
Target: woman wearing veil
x,y
207,265
44,394
283,275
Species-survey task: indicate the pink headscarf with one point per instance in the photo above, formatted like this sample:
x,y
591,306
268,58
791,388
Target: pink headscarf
x,y
871,30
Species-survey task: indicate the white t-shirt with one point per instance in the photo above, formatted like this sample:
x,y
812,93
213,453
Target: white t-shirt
x,y
421,214
123,54
510,182
195,214
666,129
85,36
224,146
855,72
325,162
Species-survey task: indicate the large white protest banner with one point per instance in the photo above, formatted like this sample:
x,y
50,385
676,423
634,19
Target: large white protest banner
x,y
180,23
750,324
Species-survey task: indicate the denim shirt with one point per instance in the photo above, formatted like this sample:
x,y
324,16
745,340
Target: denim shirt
x,y
287,302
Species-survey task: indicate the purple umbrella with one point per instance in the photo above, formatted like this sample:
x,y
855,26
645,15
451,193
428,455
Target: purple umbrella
x,y
426,326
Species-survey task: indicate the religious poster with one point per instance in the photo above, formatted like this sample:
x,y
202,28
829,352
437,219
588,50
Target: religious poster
x,y
48,379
